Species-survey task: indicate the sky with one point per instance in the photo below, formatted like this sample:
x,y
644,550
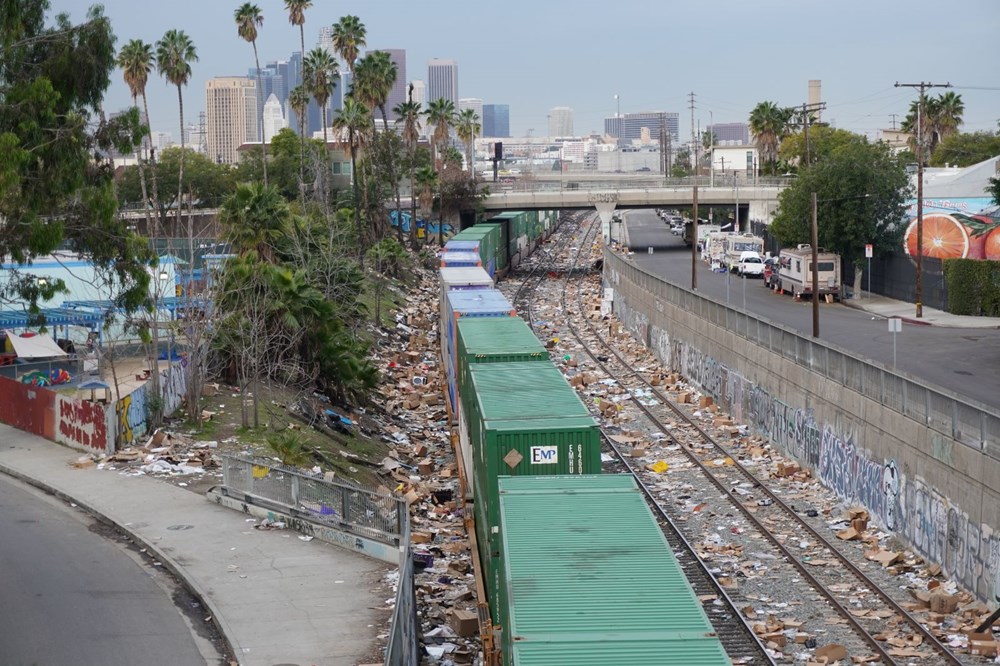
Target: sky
x,y
651,53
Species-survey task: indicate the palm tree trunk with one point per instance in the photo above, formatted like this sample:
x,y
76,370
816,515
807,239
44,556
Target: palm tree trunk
x,y
302,161
395,183
414,242
180,170
260,111
325,180
152,169
142,182
354,183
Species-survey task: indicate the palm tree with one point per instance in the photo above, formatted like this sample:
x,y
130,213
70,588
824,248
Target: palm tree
x,y
248,19
258,218
352,123
375,77
298,99
441,114
297,16
174,54
467,127
136,60
948,117
319,71
349,37
769,124
426,181
409,113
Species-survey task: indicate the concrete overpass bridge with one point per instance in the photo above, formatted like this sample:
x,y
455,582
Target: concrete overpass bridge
x,y
757,200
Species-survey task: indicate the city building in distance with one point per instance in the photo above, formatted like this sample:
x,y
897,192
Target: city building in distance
x,y
398,93
730,134
496,120
442,80
419,92
274,118
561,121
473,103
231,116
628,126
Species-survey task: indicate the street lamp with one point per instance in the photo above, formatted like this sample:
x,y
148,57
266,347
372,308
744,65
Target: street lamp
x,y
711,152
618,133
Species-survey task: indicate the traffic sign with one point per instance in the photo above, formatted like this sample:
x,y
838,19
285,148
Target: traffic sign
x,y
869,250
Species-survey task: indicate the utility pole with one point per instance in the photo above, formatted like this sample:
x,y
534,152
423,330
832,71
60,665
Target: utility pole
x,y
893,116
815,268
694,240
669,154
807,110
693,137
663,144
922,87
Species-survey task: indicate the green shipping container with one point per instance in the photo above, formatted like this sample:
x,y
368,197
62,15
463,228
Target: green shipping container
x,y
488,237
523,419
501,235
588,578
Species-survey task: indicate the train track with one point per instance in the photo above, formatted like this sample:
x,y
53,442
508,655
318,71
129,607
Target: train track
x,y
833,588
737,638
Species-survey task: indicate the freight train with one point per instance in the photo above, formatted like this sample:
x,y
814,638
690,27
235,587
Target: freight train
x,y
575,568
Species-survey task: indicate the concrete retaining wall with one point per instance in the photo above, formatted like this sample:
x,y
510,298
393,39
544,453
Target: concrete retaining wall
x,y
935,485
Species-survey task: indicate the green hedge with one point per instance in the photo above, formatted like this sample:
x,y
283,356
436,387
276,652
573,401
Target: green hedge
x,y
973,287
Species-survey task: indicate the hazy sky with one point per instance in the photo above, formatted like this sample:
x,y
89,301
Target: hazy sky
x,y
537,55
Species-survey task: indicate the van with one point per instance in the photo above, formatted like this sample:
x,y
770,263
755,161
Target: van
x,y
735,245
795,272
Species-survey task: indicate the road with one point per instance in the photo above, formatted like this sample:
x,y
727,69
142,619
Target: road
x,y
72,596
963,360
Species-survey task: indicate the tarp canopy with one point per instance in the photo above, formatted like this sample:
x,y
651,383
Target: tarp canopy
x,y
37,346
49,317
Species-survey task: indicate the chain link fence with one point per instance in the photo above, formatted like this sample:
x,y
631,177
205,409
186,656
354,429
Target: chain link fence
x,y
403,648
363,511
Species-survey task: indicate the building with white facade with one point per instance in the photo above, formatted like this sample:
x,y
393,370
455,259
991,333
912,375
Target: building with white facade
x,y
726,159
231,116
561,121
442,80
274,118
473,103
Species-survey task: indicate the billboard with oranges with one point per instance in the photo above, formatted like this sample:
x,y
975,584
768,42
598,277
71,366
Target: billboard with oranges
x,y
959,228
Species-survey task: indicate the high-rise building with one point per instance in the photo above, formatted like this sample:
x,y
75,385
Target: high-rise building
x,y
419,92
473,103
274,118
737,134
628,126
231,106
442,80
496,120
561,121
398,93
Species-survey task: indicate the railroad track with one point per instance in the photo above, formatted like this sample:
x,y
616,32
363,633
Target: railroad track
x,y
740,642
694,455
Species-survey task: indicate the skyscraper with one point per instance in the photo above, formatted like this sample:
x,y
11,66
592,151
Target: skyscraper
x,y
231,110
473,103
561,121
274,118
442,80
496,120
628,126
398,93
419,92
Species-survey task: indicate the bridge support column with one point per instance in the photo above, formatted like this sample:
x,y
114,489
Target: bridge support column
x,y
605,209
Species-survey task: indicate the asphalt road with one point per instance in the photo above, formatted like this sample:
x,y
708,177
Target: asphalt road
x,y
963,360
70,596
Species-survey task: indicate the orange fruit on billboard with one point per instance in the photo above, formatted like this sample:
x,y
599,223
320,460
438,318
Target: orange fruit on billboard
x,y
944,238
992,249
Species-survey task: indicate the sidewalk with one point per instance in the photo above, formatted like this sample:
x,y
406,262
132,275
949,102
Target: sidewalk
x,y
277,599
883,306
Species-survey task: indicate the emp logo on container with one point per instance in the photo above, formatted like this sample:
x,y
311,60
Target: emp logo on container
x,y
544,455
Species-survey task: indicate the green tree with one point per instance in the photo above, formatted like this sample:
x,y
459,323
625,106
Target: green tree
x,y
426,184
353,124
174,55
467,128
769,124
208,183
823,141
409,113
965,149
861,188
56,186
136,61
375,76
248,18
441,114
993,189
298,100
349,37
319,74
940,119
257,218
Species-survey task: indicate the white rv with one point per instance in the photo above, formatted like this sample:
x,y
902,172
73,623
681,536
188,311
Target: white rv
x,y
714,248
734,247
795,272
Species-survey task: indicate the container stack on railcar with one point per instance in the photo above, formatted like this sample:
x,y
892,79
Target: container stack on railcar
x,y
573,564
587,577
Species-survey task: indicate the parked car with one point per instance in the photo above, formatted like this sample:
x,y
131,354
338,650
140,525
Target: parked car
x,y
770,272
750,265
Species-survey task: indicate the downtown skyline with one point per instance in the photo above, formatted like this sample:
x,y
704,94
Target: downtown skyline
x,y
535,57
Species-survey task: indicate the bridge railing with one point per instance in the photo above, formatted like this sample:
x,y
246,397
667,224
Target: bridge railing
x,y
569,183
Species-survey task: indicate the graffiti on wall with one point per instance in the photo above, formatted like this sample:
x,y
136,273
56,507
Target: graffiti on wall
x,y
132,410
936,528
82,424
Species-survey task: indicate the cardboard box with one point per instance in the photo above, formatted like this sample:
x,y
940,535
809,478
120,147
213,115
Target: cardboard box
x,y
465,623
943,603
982,644
705,401
831,651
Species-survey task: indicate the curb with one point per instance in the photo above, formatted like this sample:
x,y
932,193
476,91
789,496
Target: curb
x,y
168,562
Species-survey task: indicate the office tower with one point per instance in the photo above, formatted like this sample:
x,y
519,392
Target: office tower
x,y
419,92
398,93
274,118
628,127
496,120
231,106
561,121
730,133
442,80
473,103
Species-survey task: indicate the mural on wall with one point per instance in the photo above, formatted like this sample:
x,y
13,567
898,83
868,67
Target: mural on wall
x,y
132,410
82,424
935,528
966,227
